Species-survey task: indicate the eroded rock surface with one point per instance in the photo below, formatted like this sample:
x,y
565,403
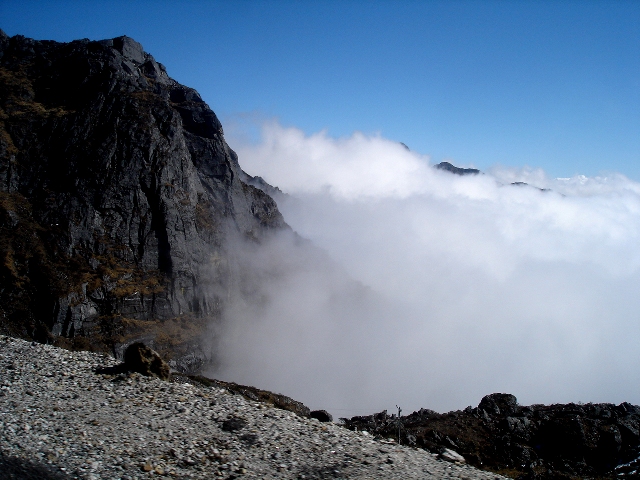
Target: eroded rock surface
x,y
533,442
117,195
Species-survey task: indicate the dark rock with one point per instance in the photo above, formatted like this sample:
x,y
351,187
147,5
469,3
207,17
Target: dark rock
x,y
537,441
14,468
457,170
321,415
250,439
498,403
118,199
140,358
524,184
233,424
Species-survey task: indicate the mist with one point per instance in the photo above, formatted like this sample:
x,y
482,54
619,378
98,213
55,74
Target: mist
x,y
407,285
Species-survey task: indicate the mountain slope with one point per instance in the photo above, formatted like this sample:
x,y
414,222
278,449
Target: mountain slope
x,y
117,193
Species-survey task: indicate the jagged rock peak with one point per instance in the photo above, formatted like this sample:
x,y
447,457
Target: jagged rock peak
x,y
118,192
457,170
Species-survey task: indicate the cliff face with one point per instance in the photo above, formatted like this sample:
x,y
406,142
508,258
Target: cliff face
x,y
117,193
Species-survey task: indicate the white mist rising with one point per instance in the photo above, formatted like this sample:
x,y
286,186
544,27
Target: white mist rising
x,y
427,289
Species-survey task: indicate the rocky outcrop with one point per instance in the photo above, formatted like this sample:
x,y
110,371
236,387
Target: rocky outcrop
x,y
142,359
118,193
524,184
448,167
321,415
528,442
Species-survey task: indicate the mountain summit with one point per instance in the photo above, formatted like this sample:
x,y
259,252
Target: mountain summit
x,y
117,194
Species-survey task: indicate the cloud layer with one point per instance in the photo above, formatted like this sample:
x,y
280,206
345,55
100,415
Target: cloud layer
x,y
427,289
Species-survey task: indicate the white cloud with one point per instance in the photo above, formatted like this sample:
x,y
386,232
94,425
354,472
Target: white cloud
x,y
467,285
347,168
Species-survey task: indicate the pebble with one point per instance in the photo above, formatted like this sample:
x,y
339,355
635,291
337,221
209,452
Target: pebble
x,y
58,415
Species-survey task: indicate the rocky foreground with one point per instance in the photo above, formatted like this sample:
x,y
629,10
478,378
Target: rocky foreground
x,y
59,419
536,442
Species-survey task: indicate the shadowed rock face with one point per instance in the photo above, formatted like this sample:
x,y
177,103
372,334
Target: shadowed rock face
x,y
532,442
117,194
457,170
140,358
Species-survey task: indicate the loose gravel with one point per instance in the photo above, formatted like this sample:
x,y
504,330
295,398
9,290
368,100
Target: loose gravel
x,y
61,420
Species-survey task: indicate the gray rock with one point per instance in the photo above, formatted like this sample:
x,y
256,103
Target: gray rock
x,y
451,456
119,196
129,48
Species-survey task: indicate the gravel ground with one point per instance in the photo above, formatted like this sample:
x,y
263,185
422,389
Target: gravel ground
x,y
60,420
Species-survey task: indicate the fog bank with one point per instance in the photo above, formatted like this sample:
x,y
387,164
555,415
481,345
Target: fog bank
x,y
427,289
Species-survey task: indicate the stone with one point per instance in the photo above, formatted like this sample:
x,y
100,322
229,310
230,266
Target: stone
x,y
233,424
142,359
321,415
451,456
498,403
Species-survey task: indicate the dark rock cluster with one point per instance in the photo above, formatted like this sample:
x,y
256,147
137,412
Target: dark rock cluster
x,y
528,442
142,359
448,167
321,415
118,193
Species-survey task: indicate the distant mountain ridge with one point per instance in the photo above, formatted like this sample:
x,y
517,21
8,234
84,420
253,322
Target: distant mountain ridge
x,y
457,170
117,193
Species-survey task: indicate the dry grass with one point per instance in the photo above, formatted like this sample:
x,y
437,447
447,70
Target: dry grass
x,y
17,90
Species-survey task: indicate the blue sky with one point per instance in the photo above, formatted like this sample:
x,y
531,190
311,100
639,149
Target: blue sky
x,y
545,84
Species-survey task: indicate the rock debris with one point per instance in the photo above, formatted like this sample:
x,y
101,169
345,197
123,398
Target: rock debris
x,y
59,419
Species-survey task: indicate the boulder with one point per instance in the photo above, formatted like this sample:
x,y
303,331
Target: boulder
x,y
321,415
142,359
498,403
233,424
451,456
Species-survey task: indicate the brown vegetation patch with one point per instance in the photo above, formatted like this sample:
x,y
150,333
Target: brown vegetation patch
x,y
252,393
19,96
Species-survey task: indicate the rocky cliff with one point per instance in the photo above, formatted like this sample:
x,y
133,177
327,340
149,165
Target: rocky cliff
x,y
117,195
